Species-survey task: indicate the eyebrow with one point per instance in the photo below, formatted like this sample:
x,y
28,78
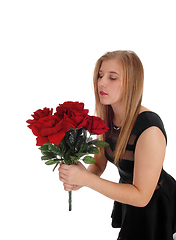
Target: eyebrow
x,y
110,72
114,72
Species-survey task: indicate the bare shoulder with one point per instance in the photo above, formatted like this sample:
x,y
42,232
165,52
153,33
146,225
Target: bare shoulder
x,y
143,109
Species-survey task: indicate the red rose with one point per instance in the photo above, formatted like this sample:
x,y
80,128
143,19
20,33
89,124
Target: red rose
x,y
96,125
78,106
73,113
49,128
52,128
39,114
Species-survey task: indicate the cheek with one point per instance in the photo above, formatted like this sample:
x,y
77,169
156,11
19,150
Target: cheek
x,y
98,84
118,92
117,87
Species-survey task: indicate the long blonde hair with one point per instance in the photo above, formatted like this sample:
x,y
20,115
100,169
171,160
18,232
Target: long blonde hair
x,y
133,73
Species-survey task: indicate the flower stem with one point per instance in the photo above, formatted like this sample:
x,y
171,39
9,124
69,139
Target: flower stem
x,y
70,200
55,166
60,161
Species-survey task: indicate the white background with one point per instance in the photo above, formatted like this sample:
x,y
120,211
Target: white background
x,y
48,50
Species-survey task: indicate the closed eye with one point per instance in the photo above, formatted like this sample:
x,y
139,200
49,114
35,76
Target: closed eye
x,y
100,75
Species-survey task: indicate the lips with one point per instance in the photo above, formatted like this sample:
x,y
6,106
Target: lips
x,y
103,93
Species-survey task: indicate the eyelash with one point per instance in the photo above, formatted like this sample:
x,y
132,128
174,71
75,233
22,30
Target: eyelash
x,y
113,79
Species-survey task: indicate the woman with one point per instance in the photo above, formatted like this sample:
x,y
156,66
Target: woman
x,y
145,197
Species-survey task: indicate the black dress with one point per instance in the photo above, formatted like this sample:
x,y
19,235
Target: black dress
x,y
157,220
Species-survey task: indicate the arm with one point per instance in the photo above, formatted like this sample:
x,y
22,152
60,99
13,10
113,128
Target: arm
x,y
99,166
149,157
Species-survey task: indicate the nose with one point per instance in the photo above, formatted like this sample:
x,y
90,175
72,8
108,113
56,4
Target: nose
x,y
102,81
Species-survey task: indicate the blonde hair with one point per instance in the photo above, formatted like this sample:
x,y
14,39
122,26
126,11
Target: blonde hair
x,y
133,79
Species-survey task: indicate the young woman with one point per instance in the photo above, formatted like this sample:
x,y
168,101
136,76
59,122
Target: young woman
x,y
145,197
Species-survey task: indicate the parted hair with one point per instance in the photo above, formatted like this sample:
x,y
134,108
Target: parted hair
x,y
133,78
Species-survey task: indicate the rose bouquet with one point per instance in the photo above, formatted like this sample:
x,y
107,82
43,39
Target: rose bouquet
x,y
66,135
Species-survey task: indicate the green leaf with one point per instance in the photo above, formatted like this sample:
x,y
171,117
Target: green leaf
x,y
55,149
80,142
88,159
48,143
50,162
68,154
49,154
45,157
101,144
93,141
44,148
72,136
67,161
79,155
74,159
93,150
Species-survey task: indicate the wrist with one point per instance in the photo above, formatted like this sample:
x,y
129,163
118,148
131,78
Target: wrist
x,y
89,179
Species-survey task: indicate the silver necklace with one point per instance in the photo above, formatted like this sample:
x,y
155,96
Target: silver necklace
x,y
116,128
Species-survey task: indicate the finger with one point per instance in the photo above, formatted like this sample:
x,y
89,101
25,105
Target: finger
x,y
63,173
62,177
64,166
68,187
63,170
76,187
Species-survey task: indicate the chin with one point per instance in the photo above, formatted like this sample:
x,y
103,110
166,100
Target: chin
x,y
105,103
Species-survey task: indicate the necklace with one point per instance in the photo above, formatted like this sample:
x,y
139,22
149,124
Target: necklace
x,y
116,128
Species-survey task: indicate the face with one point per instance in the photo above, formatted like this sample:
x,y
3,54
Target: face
x,y
110,82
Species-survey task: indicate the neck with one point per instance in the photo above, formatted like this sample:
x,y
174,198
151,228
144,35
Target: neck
x,y
118,114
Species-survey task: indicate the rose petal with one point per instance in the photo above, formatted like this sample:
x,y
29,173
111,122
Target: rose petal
x,y
57,137
96,125
41,141
35,129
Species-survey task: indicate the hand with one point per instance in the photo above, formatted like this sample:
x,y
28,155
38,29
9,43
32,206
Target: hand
x,y
71,187
72,175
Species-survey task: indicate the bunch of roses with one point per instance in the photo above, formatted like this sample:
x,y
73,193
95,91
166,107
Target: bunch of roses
x,y
49,127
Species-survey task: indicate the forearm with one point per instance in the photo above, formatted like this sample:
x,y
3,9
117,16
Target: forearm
x,y
124,193
95,169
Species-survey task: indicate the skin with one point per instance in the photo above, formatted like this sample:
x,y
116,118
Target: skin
x,y
149,153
